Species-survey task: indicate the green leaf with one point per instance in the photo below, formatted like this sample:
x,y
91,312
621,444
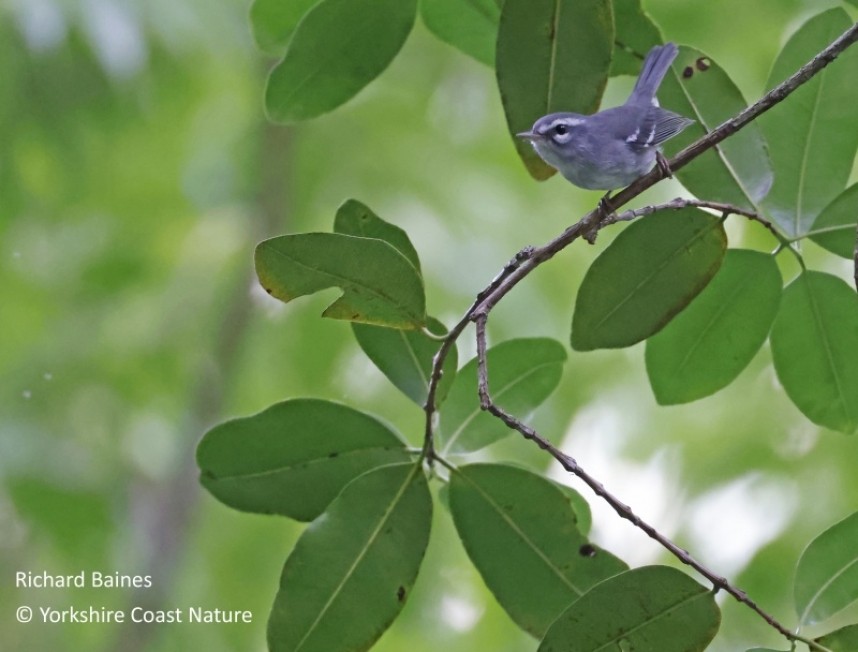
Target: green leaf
x,y
814,349
737,171
636,35
380,286
353,568
405,357
647,609
826,578
813,134
844,639
355,218
520,530
294,457
274,21
522,374
552,55
838,221
650,272
337,49
469,25
709,343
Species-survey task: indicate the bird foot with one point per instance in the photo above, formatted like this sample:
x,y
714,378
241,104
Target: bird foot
x,y
663,165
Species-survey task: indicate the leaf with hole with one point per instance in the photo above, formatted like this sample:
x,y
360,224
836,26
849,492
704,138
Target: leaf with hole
x,y
826,577
552,55
706,346
815,349
380,286
650,272
355,218
813,135
338,48
522,374
469,25
294,457
648,608
736,171
405,357
521,532
274,21
835,227
353,568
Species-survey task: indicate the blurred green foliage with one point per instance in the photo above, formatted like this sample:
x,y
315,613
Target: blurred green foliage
x,y
137,173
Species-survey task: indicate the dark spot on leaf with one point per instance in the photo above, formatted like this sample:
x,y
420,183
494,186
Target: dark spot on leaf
x,y
333,455
400,593
268,290
587,550
687,71
703,63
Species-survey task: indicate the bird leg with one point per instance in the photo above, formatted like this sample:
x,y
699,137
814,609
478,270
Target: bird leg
x,y
663,165
605,208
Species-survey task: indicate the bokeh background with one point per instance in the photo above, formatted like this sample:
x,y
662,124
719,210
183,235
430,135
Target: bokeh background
x,y
137,172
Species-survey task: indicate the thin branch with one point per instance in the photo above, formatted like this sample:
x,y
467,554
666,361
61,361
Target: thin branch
x,y
430,407
623,510
725,210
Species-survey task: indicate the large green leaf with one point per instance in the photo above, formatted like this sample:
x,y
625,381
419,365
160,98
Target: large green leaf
x,y
355,218
552,55
293,457
337,49
709,343
650,272
522,374
815,349
353,567
520,530
636,34
813,134
844,639
405,357
737,171
274,21
469,25
380,286
826,578
836,224
647,609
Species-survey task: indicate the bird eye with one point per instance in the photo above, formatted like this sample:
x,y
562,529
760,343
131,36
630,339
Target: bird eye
x,y
561,129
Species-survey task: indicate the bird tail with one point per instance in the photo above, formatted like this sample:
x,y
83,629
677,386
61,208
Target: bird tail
x,y
655,66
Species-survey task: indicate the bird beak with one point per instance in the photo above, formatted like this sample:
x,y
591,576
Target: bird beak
x,y
528,135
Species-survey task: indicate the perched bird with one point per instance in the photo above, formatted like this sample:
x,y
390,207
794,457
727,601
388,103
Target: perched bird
x,y
612,148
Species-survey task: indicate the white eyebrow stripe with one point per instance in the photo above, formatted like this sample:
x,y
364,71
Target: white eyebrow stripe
x,y
634,137
571,122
